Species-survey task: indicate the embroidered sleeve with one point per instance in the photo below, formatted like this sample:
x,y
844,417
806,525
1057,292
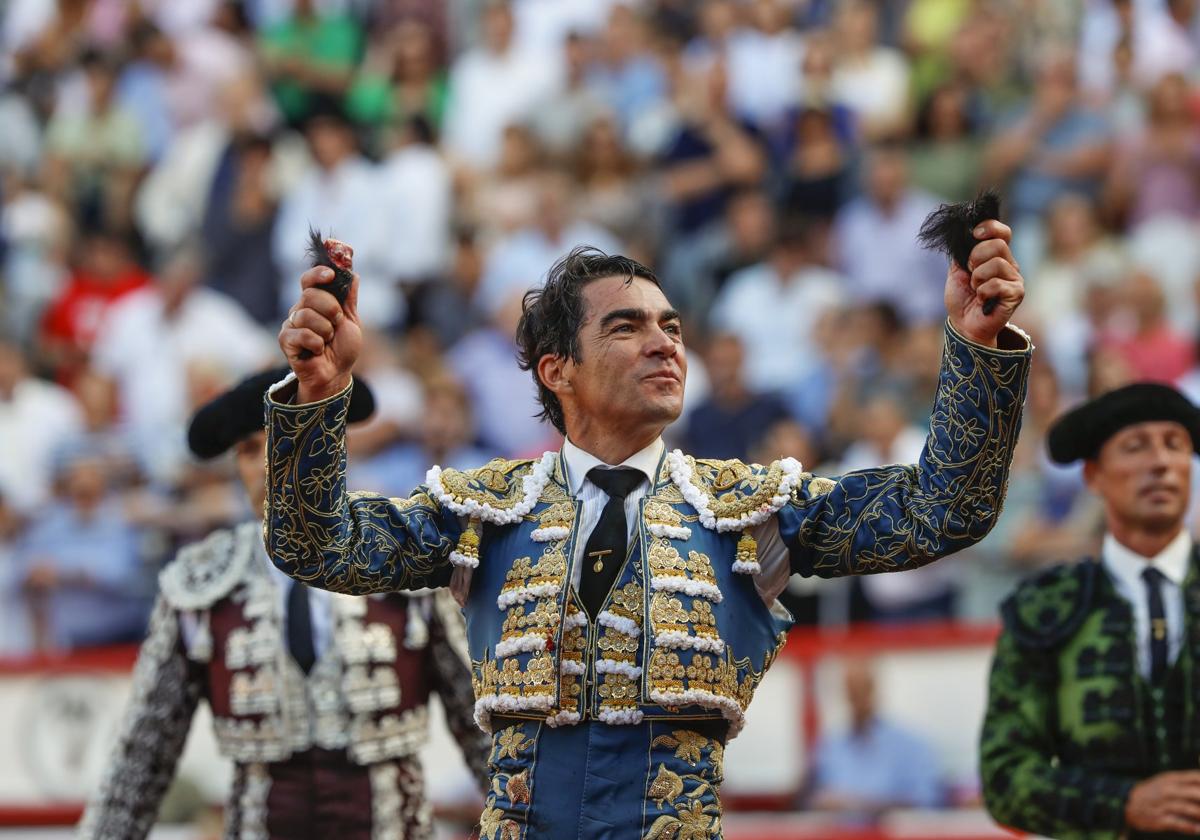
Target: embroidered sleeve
x,y
452,681
1025,785
166,689
350,542
906,515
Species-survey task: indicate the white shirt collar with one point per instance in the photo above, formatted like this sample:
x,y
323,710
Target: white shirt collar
x,y
579,462
1128,565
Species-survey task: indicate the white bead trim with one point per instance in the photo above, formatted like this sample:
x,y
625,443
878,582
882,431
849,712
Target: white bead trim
x,y
526,593
457,558
679,583
520,644
570,667
681,474
614,666
620,623
554,532
532,485
746,568
680,640
491,703
671,532
620,717
728,707
563,719
575,619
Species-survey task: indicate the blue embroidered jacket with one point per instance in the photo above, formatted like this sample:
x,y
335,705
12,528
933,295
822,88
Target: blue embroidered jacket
x,y
665,673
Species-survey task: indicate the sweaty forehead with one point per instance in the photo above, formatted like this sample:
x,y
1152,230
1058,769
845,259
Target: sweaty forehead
x,y
610,293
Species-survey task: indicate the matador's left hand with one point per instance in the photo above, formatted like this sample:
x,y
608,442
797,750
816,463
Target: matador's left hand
x,y
991,273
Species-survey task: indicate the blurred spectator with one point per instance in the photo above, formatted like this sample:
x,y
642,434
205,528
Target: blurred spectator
x,y
609,192
711,155
503,396
153,343
875,765
764,63
870,78
505,198
875,241
310,54
414,189
36,419
774,306
173,198
401,78
94,147
1157,172
560,120
445,439
626,76
239,220
36,234
16,622
80,563
519,261
693,276
729,423
817,164
1052,145
491,86
946,156
1153,350
338,196
103,272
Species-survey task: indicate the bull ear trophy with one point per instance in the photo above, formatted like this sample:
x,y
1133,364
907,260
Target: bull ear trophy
x,y
949,229
339,256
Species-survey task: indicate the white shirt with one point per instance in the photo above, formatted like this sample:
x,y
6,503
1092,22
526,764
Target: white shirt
x,y
1126,569
776,319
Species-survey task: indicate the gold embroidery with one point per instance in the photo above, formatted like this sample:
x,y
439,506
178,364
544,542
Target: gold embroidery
x,y
659,512
734,488
666,561
511,743
560,515
666,785
687,744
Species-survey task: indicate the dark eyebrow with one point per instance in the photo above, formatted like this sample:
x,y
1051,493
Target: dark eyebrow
x,y
637,315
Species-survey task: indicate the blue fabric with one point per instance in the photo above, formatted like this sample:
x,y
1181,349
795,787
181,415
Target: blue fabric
x,y
598,782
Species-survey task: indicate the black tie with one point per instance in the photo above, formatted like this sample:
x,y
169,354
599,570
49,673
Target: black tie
x,y
605,551
299,627
1158,623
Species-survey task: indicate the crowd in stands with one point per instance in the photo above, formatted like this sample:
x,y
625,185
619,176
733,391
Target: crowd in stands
x,y
161,162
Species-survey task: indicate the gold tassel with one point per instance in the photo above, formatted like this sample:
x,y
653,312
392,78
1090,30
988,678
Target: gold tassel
x,y
468,543
747,549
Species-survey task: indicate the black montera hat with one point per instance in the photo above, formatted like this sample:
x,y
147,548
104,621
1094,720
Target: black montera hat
x,y
238,413
1082,431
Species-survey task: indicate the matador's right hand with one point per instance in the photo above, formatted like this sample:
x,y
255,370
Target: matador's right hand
x,y
329,331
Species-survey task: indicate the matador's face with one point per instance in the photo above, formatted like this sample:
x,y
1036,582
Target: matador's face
x,y
1143,474
633,365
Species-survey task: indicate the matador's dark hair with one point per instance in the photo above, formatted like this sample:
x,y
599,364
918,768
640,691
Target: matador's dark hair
x,y
552,315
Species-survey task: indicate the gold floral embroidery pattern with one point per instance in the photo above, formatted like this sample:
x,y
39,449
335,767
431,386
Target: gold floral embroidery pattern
x,y
355,543
505,812
686,806
497,483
